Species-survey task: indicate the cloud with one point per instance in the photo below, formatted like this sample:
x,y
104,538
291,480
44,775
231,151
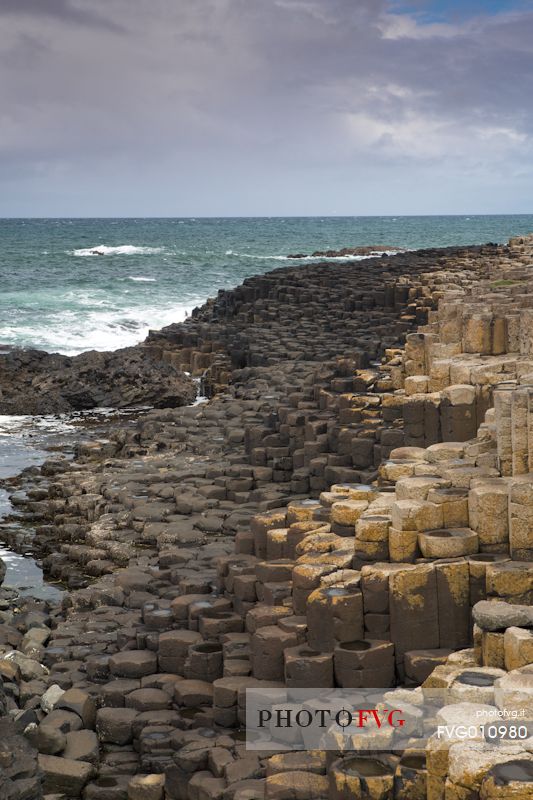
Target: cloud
x,y
401,26
66,11
198,98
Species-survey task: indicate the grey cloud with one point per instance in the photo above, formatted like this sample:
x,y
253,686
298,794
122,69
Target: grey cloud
x,y
61,10
304,87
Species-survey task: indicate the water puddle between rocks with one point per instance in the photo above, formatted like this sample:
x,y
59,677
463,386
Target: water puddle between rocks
x,y
23,573
28,442
20,448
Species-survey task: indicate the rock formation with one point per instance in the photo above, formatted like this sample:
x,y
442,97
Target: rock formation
x,y
351,509
367,250
35,382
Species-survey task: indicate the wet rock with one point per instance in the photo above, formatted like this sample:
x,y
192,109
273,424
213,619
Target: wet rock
x,y
133,663
19,771
147,700
128,377
81,704
114,725
64,775
64,720
82,746
49,739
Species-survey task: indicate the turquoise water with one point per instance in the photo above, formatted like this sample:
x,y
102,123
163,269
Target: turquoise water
x,y
57,295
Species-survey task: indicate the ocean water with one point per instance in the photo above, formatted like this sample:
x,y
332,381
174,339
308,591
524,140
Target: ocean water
x,y
68,285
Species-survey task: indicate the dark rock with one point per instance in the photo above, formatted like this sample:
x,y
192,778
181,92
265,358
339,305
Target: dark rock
x,y
123,378
366,250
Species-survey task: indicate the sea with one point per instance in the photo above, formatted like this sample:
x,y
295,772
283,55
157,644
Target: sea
x,y
69,285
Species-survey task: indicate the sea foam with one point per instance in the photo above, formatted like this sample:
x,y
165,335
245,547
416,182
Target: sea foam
x,y
102,328
121,250
300,259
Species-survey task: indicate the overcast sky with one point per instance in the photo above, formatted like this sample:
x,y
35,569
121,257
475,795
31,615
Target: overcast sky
x,y
265,107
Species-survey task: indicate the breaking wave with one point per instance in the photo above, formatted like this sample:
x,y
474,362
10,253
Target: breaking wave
x,y
121,250
73,331
312,258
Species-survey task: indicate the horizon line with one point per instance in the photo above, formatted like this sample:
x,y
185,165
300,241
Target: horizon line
x,y
465,214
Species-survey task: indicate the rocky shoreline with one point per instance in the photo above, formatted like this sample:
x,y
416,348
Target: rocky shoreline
x,y
38,383
361,476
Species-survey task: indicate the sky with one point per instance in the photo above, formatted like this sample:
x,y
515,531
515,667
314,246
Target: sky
x,y
265,107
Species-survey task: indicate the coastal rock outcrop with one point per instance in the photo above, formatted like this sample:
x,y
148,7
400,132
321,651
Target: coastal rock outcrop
x,y
366,250
35,382
352,509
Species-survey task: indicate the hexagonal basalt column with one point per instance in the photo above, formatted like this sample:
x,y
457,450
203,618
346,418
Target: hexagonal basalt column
x,y
511,581
409,515
334,614
448,543
364,663
502,395
453,598
261,524
512,780
519,430
458,414
418,488
306,578
301,510
204,661
413,610
477,565
454,504
213,624
357,777
488,512
299,530
173,649
518,648
410,779
477,332
267,646
372,538
346,512
521,519
306,668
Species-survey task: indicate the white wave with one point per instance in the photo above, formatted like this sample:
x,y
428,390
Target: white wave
x,y
141,279
10,425
121,250
315,258
70,332
26,425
